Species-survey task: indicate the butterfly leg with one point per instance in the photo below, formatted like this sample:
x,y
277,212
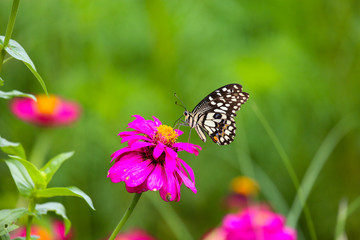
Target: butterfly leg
x,y
189,135
200,132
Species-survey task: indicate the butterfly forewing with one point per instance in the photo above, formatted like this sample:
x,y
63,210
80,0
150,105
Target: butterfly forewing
x,y
215,113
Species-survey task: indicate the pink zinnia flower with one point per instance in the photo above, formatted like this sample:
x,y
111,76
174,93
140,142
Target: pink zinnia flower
x,y
46,111
151,162
56,233
257,222
135,234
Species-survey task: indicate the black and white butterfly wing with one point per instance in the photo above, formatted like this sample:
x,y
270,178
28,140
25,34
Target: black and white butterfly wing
x,y
215,114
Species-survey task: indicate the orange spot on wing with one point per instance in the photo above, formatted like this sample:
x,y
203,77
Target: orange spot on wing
x,y
215,139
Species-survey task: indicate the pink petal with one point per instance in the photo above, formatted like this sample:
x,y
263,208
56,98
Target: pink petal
x,y
138,144
138,189
158,150
170,160
155,180
128,133
134,138
156,121
171,187
23,108
119,152
188,169
137,174
68,112
169,190
188,147
117,171
141,125
178,131
187,181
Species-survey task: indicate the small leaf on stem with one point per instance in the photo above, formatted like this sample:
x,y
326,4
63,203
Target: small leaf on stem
x,y
54,164
8,218
15,50
21,177
64,191
35,174
12,148
15,93
56,207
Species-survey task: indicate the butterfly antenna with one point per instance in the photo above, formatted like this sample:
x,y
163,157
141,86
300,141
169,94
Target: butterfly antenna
x,y
182,103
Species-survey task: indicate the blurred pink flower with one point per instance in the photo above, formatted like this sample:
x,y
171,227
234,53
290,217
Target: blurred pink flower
x,y
257,222
46,111
56,233
253,223
151,162
135,234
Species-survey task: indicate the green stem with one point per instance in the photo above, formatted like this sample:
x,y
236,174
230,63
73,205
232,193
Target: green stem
x,y
40,148
32,204
9,29
286,161
126,216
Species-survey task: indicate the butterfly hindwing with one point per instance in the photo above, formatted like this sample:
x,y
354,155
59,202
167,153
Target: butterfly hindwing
x,y
220,127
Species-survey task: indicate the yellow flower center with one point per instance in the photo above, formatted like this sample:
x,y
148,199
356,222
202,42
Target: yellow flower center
x,y
46,104
245,186
42,232
166,134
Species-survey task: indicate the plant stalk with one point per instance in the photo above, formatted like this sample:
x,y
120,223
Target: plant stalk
x,y
126,216
9,30
32,204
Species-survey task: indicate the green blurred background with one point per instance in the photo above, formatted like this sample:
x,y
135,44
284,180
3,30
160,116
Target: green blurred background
x,y
299,60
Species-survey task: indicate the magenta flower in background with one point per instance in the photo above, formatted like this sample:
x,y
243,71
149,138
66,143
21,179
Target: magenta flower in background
x,y
56,233
151,162
135,234
47,111
257,222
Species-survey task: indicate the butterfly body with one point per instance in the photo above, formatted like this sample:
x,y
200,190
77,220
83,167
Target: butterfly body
x,y
215,114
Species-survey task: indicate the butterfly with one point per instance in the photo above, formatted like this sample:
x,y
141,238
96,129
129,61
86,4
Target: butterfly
x,y
215,114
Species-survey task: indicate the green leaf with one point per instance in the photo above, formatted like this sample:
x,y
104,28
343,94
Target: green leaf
x,y
8,218
343,127
5,237
64,191
15,93
35,174
54,164
15,50
341,220
21,177
1,82
12,148
56,207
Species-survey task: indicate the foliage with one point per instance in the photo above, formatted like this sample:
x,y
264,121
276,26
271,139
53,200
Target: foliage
x,y
32,183
299,60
